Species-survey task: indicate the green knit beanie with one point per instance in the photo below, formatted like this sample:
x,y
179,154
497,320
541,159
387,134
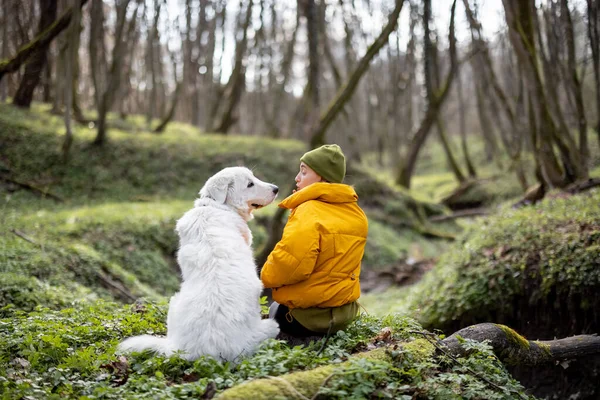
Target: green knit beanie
x,y
328,161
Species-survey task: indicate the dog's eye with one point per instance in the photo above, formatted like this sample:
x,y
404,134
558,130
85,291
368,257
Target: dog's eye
x,y
251,184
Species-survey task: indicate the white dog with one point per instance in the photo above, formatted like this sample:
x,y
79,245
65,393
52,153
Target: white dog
x,y
217,310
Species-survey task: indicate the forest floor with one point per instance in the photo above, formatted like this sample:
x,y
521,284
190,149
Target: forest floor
x,y
80,240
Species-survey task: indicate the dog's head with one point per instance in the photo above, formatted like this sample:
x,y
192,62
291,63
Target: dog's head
x,y
238,188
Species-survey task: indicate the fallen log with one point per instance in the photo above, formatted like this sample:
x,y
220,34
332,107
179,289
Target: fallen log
x,y
513,349
471,212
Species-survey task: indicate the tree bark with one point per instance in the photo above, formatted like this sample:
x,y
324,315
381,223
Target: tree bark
x,y
463,127
576,89
36,63
460,177
70,56
114,74
4,53
513,349
39,43
237,80
593,30
435,101
171,113
317,137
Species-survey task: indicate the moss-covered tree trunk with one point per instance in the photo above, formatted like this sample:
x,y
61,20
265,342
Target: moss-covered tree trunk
x,y
41,41
36,63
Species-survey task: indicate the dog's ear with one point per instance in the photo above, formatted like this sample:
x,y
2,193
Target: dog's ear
x,y
216,188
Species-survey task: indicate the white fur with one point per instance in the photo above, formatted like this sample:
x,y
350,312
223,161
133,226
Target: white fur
x,y
217,310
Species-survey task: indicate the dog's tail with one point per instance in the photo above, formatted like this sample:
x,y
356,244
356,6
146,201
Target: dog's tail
x,y
146,342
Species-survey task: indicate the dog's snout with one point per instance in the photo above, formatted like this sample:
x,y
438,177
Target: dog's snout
x,y
275,189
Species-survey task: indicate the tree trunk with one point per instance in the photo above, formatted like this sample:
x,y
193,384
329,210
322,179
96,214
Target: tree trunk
x,y
463,127
593,30
576,89
70,56
519,18
237,80
151,62
36,63
161,127
448,151
317,137
435,99
4,53
39,43
114,74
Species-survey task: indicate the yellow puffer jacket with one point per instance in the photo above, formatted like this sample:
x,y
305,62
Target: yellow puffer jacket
x,y
317,261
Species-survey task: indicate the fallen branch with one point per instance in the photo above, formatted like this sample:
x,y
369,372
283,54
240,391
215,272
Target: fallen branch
x,y
110,284
471,212
41,192
24,237
579,187
513,349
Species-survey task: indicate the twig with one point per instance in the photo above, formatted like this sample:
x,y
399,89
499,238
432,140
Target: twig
x,y
436,343
322,385
24,237
36,190
472,212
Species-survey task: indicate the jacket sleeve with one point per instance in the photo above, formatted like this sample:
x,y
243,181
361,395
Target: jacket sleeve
x,y
294,257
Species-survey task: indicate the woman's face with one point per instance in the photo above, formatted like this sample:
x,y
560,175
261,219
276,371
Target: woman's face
x,y
306,177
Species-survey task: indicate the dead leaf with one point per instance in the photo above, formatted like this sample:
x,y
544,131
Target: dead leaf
x,y
384,335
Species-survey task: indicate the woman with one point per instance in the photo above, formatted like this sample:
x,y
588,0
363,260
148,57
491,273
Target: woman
x,y
314,270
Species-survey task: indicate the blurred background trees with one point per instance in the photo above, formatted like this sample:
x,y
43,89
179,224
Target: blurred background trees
x,y
383,77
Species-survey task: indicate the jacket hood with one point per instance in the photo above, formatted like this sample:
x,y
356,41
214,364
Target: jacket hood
x,y
322,191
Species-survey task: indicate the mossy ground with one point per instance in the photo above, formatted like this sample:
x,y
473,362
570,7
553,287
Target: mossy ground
x,y
71,354
112,235
112,238
534,269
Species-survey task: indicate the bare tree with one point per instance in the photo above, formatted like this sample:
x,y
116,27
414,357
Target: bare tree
x,y
593,29
236,83
39,44
106,96
434,101
318,132
70,57
4,51
35,65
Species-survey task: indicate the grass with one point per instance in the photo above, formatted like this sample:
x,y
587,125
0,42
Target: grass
x,y
112,235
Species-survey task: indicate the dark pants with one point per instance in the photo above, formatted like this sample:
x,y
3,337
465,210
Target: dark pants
x,y
293,328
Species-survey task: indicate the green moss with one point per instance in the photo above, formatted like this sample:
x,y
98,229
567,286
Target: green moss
x,y
515,260
298,385
544,347
514,337
421,349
